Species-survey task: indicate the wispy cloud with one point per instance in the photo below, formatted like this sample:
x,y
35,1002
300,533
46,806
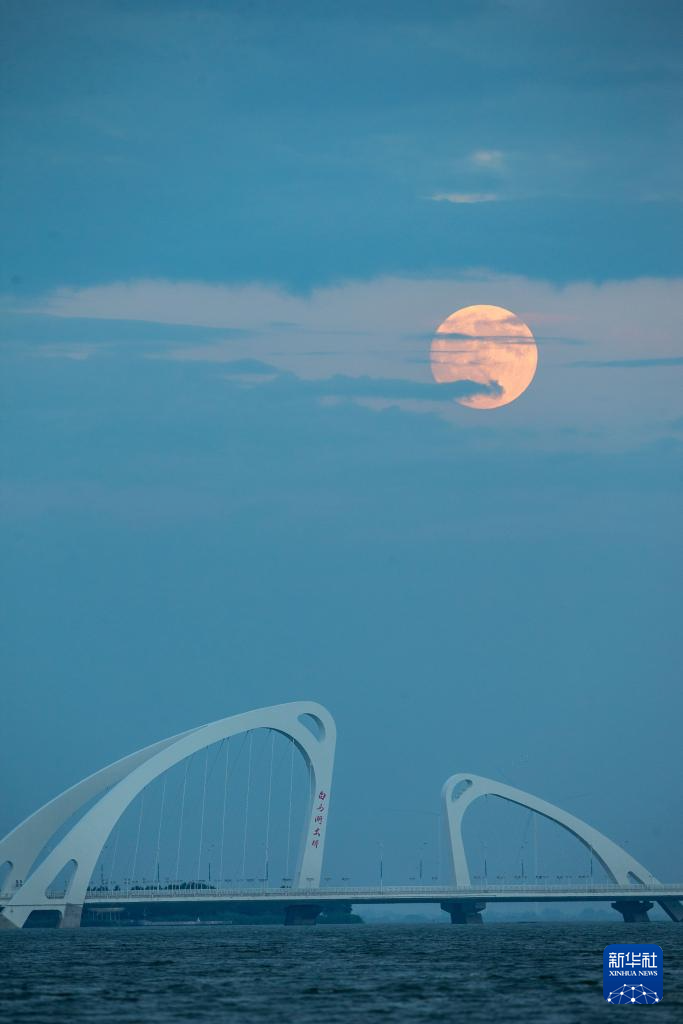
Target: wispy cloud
x,y
465,197
383,329
346,387
491,158
629,364
249,367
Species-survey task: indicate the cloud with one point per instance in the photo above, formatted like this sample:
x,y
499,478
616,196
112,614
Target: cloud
x,y
252,367
491,158
465,198
619,320
382,329
630,364
39,326
420,107
345,387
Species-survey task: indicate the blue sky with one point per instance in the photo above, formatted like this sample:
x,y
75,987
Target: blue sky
x,y
229,232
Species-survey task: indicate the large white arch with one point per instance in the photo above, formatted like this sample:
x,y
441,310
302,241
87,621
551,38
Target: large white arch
x,y
117,785
461,790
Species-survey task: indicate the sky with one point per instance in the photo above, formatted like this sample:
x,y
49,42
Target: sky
x,y
229,232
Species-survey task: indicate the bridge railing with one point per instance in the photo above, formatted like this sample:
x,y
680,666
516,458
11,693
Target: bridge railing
x,y
154,893
348,892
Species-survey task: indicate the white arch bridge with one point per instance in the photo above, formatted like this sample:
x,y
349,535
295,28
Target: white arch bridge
x,y
64,840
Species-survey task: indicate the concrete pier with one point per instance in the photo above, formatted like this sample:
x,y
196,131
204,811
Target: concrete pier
x,y
464,911
71,915
633,911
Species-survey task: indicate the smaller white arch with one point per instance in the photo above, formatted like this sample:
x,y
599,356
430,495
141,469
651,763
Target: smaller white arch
x,y
461,790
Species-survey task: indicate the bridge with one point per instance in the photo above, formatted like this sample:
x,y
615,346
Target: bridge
x,y
464,904
49,860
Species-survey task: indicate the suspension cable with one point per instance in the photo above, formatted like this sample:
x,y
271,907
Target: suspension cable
x,y
270,793
161,818
246,807
289,816
180,828
225,801
201,824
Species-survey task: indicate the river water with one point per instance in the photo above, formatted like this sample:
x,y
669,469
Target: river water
x,y
347,973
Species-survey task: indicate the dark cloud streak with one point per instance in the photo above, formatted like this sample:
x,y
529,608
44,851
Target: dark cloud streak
x,y
342,386
647,362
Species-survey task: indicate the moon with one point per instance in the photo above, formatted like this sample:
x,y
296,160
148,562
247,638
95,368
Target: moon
x,y
488,345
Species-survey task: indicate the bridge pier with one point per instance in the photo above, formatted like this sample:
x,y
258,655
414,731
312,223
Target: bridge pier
x,y
464,911
302,913
633,911
71,915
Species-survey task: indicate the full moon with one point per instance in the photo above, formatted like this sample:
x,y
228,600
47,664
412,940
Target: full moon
x,y
488,345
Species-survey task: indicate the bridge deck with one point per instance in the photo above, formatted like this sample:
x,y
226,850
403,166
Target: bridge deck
x,y
389,894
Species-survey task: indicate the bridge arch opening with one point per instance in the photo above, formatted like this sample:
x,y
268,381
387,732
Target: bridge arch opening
x,y
62,881
314,724
459,788
620,866
44,918
227,817
507,844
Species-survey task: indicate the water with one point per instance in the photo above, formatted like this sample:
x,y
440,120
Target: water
x,y
498,972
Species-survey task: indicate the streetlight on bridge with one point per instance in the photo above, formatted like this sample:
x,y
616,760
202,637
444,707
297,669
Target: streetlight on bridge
x,y
424,846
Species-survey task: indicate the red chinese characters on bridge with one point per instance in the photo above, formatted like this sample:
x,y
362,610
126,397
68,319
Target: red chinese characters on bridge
x,y
319,819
